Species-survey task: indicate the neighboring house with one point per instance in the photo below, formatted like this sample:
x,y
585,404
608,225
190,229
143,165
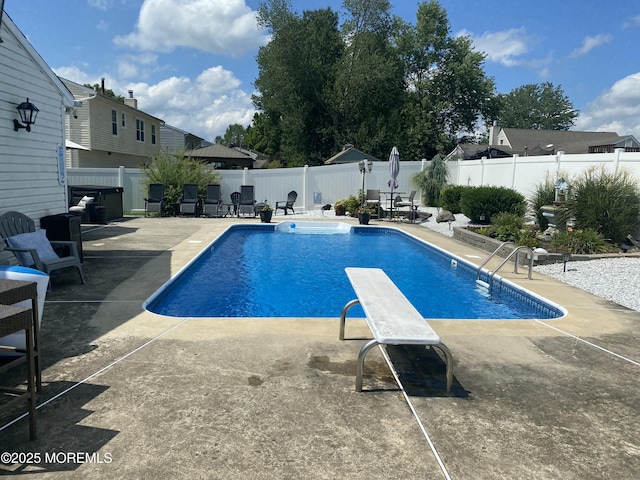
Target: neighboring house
x,y
110,133
32,169
506,142
221,156
259,159
172,139
349,154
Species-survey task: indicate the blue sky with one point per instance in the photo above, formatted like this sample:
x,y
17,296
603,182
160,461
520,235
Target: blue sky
x,y
186,56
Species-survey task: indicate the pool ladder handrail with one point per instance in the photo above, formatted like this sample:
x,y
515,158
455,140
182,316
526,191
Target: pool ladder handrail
x,y
516,252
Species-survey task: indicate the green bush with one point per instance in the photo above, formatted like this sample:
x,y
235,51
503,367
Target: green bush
x,y
432,180
586,241
480,204
175,170
450,197
605,202
506,226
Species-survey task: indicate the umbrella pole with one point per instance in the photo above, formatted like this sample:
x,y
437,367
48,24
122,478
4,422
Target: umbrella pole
x,y
391,210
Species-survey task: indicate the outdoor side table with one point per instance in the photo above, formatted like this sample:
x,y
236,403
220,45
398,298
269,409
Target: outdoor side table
x,y
13,320
14,291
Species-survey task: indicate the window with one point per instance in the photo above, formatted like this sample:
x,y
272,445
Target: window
x,y
153,134
139,130
114,122
124,120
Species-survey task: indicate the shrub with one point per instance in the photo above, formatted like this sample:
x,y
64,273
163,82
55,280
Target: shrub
x,y
605,202
450,197
586,241
175,170
482,203
506,226
432,180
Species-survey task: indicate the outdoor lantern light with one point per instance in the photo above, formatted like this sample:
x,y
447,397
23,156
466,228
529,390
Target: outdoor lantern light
x,y
562,191
28,112
364,165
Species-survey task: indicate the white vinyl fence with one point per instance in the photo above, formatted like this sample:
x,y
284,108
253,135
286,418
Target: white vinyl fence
x,y
317,186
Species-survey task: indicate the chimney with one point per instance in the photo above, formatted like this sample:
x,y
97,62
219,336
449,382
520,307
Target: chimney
x,y
131,102
494,130
102,85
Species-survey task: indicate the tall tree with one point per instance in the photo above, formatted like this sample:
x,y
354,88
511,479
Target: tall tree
x,y
447,89
536,107
369,85
295,79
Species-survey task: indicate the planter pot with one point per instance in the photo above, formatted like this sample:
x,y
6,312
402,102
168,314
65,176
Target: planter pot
x,y
340,210
265,216
364,218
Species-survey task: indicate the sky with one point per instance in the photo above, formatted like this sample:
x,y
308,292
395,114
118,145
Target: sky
x,y
192,63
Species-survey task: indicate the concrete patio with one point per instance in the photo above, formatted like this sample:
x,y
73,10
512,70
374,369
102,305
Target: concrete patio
x,y
130,394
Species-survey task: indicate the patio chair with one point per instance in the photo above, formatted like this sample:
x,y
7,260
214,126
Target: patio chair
x,y
155,201
33,249
212,205
398,203
373,198
247,202
189,201
287,204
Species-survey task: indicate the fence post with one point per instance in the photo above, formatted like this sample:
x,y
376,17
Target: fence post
x,y
305,171
513,170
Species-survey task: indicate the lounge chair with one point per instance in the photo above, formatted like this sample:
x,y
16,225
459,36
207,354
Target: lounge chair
x,y
189,201
247,202
287,204
373,198
155,201
235,201
212,205
33,249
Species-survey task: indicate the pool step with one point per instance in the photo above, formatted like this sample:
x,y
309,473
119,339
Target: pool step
x,y
483,284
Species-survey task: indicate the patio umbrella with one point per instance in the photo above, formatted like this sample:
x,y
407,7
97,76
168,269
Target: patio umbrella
x,y
394,170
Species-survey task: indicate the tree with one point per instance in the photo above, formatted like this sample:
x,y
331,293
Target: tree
x,y
536,107
234,136
108,92
447,90
368,88
296,73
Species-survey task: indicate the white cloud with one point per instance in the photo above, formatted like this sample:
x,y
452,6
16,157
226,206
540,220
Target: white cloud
x,y
632,22
226,27
615,110
501,47
589,44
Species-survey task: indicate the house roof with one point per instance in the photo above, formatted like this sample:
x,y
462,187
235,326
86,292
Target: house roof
x,y
560,140
349,154
218,153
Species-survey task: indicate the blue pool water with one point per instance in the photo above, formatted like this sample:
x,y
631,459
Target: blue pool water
x,y
259,271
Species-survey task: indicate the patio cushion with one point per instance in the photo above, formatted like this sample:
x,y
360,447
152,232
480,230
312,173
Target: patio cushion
x,y
36,240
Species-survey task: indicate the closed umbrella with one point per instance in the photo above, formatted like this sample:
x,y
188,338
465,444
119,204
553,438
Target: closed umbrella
x,y
394,170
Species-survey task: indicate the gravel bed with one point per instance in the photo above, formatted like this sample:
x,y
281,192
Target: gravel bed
x,y
615,279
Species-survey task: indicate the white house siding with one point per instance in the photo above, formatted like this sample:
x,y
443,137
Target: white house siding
x,y
29,181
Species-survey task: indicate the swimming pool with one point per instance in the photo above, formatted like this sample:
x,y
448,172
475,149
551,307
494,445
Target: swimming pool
x,y
297,270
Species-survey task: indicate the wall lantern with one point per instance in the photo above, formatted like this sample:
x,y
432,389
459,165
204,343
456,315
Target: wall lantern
x,y
28,112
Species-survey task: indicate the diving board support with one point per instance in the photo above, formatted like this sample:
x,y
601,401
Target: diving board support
x,y
392,319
